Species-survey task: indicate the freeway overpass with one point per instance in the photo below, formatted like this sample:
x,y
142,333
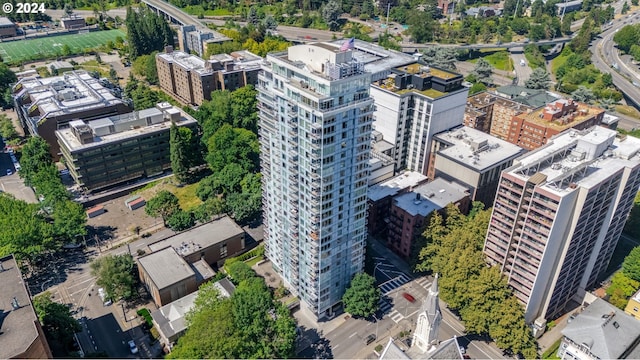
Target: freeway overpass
x,y
414,47
177,16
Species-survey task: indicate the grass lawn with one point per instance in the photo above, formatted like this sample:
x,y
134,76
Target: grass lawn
x,y
185,194
92,65
254,260
198,9
40,48
551,353
557,62
500,60
628,110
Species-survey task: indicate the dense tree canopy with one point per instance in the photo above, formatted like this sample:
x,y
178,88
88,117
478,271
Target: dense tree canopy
x,y
478,292
250,324
362,296
146,32
7,78
539,79
56,319
24,230
115,273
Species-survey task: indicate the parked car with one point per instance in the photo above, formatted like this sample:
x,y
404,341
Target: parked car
x,y
132,347
9,172
103,296
409,297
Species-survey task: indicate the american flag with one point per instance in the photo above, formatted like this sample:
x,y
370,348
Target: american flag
x,y
348,45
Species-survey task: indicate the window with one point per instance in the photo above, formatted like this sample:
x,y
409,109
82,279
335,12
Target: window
x,y
223,251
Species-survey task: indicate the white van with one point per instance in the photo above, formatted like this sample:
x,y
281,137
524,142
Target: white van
x,y
522,62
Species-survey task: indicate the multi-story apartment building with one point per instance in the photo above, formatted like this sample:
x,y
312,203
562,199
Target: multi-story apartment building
x,y
190,79
472,158
530,130
412,210
112,150
413,103
380,198
192,39
45,105
558,215
492,114
315,116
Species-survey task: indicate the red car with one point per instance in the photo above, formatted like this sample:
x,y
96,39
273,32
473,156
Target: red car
x,y
409,297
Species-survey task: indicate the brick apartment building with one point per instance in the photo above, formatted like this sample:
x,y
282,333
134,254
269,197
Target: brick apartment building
x,y
190,79
491,113
411,211
530,130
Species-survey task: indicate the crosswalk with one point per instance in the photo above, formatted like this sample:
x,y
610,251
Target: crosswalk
x,y
384,306
424,282
394,283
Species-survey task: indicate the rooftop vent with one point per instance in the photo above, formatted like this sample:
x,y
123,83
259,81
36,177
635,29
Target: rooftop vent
x,y
616,325
15,304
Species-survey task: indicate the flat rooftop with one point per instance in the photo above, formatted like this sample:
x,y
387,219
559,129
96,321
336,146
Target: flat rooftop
x,y
395,185
73,91
187,61
416,68
476,149
165,267
73,144
575,159
483,99
241,60
583,113
377,60
17,326
201,237
429,197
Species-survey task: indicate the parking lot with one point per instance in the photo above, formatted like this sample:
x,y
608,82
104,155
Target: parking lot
x,y
118,221
10,181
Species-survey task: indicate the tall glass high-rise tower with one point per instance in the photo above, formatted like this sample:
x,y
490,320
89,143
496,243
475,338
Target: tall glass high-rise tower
x,y
315,132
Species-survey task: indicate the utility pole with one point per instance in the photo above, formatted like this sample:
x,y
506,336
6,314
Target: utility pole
x,y
388,8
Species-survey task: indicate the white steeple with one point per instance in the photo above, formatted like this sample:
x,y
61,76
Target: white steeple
x,y
426,333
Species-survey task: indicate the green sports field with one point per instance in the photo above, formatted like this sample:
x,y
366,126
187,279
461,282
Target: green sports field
x,y
34,49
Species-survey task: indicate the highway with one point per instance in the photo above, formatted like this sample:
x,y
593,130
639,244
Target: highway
x,y
605,56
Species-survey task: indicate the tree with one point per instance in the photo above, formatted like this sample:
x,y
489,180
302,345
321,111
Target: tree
x,y
539,79
252,16
631,264
7,130
626,37
625,8
147,32
56,319
68,9
621,288
244,207
244,109
583,94
331,13
145,66
69,220
229,145
483,71
115,273
164,204
7,78
476,88
35,155
270,23
250,324
179,146
362,296
421,26
239,271
181,220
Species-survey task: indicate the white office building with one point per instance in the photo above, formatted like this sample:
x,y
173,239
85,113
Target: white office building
x,y
315,132
413,103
